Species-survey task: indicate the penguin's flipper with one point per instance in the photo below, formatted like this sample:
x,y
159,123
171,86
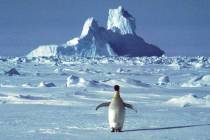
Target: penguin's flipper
x,y
130,106
102,105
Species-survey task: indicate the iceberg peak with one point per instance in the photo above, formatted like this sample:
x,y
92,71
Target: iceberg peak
x,y
119,20
89,25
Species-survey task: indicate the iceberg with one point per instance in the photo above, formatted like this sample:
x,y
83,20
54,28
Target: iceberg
x,y
44,50
119,39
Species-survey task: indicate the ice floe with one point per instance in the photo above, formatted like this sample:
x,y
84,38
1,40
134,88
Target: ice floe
x,y
12,72
27,85
163,80
94,83
127,82
46,84
75,81
7,85
199,81
190,100
29,99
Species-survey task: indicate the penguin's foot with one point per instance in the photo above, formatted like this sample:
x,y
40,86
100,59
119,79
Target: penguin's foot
x,y
116,130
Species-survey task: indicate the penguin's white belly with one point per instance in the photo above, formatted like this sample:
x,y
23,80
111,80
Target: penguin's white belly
x,y
116,115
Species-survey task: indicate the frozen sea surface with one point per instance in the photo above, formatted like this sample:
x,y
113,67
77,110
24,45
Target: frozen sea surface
x,y
179,109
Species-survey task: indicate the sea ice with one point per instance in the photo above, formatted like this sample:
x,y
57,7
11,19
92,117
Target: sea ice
x,y
46,84
163,80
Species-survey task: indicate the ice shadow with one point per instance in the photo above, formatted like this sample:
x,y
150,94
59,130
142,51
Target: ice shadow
x,y
166,128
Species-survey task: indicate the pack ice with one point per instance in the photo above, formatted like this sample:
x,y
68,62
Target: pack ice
x,y
55,98
118,39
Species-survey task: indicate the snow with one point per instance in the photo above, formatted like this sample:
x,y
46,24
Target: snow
x,y
119,20
73,41
46,84
119,39
67,111
30,100
135,82
75,81
120,70
198,65
163,80
27,85
90,24
198,81
190,100
205,79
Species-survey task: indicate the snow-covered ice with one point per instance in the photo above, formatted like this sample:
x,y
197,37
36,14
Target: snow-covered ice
x,y
163,80
190,100
75,81
46,84
67,111
198,81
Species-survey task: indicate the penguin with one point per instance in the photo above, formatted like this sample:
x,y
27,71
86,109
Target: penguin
x,y
116,110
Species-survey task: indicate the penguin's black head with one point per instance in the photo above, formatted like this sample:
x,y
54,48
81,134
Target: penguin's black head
x,y
117,88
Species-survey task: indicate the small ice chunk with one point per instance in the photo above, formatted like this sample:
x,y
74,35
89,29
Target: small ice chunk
x,y
186,100
12,72
46,84
198,65
200,81
27,85
74,81
119,70
163,80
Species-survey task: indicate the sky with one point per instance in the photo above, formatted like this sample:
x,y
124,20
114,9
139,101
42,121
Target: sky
x,y
179,27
